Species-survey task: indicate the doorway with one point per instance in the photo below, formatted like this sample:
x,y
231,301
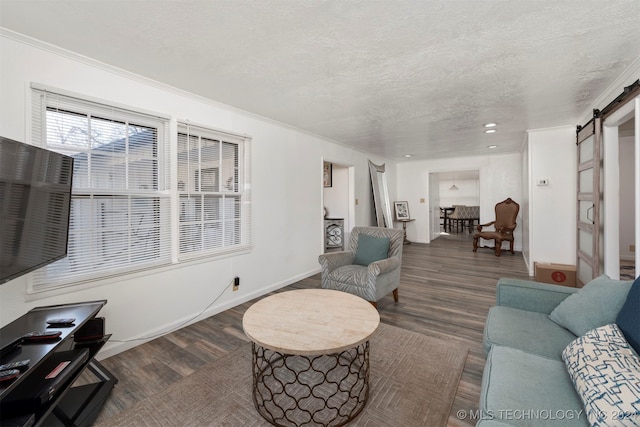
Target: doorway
x,y
449,188
337,194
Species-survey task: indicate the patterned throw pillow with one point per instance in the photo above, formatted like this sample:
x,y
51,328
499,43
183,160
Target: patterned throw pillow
x,y
606,375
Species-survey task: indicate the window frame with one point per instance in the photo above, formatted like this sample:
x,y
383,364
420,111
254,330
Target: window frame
x,y
167,190
243,143
91,198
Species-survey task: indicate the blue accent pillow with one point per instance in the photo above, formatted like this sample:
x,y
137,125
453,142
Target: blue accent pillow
x,y
595,305
371,249
628,319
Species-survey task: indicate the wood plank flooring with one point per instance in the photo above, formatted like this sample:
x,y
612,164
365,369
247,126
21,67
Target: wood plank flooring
x,y
445,292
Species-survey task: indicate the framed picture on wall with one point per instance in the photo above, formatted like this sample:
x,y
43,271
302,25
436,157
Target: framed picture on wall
x,y
327,174
402,210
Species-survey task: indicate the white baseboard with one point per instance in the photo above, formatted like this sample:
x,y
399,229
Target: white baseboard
x,y
112,348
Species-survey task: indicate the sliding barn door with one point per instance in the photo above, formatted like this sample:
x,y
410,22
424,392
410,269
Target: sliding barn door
x,y
589,233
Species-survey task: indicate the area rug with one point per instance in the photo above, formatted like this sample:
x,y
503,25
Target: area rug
x,y
413,382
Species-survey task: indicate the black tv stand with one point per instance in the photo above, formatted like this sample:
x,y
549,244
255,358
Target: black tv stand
x,y
32,399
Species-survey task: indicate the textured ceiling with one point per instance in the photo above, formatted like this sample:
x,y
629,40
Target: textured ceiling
x,y
387,77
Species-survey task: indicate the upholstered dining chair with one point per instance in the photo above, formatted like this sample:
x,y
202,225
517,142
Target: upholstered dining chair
x,y
465,216
455,217
370,268
503,226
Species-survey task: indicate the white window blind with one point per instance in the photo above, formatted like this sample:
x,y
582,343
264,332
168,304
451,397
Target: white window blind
x,y
120,211
214,192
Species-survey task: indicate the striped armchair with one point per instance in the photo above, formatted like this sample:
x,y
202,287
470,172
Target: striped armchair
x,y
371,282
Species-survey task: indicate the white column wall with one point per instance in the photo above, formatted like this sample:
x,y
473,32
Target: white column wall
x,y
525,206
627,197
286,191
552,207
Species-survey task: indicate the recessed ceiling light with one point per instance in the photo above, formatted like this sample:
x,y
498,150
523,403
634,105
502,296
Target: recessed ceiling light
x,y
492,146
490,131
408,155
490,125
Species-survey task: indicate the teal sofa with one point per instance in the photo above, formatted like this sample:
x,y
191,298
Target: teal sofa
x,y
525,380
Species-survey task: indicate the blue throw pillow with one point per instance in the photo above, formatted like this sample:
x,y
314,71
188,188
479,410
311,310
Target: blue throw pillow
x,y
629,317
371,249
595,305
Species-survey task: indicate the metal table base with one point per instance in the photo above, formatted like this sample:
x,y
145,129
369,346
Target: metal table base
x,y
325,390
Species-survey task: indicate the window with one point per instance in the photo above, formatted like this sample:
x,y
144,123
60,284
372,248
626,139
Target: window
x,y
212,186
127,213
120,211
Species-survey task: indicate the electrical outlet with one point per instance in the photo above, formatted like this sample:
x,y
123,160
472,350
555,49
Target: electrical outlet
x,y
632,248
236,283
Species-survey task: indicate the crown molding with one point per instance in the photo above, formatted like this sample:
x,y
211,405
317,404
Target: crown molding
x,y
628,76
57,50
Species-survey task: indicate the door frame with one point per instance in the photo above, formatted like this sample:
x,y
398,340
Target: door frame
x,y
434,206
349,218
611,209
432,209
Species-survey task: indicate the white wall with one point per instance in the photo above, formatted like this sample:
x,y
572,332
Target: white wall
x,y
500,178
552,208
468,192
286,191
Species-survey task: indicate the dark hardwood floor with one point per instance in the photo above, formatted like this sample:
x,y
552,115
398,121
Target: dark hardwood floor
x,y
445,292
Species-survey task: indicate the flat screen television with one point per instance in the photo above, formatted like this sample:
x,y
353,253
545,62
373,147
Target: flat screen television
x,y
35,204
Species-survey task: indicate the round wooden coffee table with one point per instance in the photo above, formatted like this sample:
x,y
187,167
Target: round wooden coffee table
x,y
310,356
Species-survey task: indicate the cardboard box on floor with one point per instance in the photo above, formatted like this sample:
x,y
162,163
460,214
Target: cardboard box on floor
x,y
556,274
